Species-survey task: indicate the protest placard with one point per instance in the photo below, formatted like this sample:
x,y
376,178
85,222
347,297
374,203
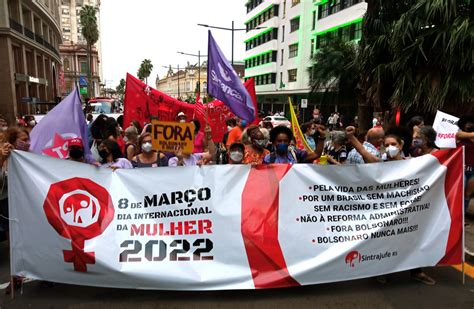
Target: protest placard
x,y
167,136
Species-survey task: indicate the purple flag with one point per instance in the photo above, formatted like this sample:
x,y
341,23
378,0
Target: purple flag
x,y
225,85
63,123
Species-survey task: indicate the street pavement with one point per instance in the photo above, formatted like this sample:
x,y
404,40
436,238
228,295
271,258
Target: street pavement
x,y
399,292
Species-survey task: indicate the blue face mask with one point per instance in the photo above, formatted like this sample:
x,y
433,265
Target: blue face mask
x,y
243,123
282,148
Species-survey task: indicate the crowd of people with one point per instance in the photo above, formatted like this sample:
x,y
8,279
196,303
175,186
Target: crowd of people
x,y
115,145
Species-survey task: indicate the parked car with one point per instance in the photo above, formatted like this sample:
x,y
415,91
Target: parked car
x,y
276,121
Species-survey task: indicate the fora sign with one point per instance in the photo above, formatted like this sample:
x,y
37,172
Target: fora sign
x,y
167,136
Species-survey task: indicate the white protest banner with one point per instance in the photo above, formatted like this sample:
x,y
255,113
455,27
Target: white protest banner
x,y
446,128
232,227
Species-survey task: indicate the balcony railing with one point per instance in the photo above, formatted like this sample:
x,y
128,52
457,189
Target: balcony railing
x,y
39,38
16,26
33,36
29,33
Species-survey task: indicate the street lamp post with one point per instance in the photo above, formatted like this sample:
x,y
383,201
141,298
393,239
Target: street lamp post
x,y
199,65
232,29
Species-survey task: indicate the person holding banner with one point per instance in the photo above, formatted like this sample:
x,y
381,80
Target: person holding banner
x,y
465,138
394,145
424,141
148,157
111,156
192,159
255,152
281,137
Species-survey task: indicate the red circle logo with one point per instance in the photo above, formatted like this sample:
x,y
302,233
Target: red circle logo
x,y
78,209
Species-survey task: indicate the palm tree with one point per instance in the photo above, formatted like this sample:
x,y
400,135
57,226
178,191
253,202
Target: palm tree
x,y
416,55
335,70
121,89
432,46
90,31
145,70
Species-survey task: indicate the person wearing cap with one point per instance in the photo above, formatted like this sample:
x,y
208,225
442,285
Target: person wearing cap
x,y
76,150
181,117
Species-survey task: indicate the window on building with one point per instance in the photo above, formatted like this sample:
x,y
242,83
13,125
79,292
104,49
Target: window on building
x,y
295,24
67,65
281,79
313,43
314,21
284,9
83,66
65,20
18,59
283,33
293,50
295,2
281,61
292,75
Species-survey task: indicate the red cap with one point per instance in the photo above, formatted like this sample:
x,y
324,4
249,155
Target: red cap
x,y
75,142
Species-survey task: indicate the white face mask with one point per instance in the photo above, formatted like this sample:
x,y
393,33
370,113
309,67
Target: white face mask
x,y
32,123
146,147
312,132
182,120
392,151
236,156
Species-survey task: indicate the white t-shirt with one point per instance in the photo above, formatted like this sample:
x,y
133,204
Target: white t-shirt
x,y
189,161
120,163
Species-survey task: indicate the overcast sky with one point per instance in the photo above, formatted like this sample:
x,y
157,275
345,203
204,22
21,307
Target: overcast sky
x,y
156,29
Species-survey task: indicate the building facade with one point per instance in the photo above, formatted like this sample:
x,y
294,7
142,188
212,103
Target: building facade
x,y
183,83
282,38
30,63
74,49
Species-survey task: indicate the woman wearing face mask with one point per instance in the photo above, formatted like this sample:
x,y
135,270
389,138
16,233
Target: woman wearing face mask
x,y
255,152
236,153
18,138
148,157
309,129
30,123
424,141
195,158
281,137
393,147
111,156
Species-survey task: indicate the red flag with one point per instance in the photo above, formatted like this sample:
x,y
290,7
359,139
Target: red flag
x,y
143,103
200,110
250,86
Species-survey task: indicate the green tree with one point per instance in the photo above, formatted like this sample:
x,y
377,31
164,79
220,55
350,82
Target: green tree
x,y
145,70
334,69
90,31
415,55
121,89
